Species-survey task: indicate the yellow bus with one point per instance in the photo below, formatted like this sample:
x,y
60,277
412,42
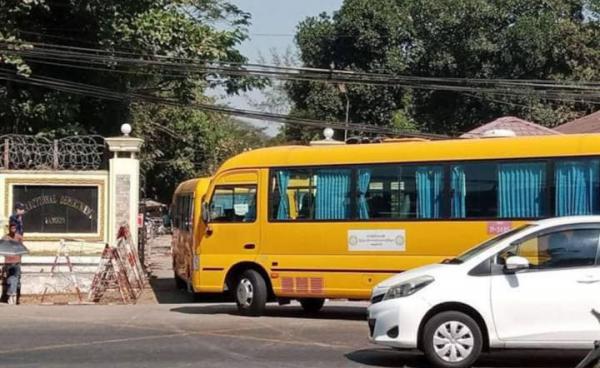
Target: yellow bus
x,y
310,223
185,222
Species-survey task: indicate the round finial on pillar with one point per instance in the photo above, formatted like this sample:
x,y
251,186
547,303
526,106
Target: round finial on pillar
x,y
328,133
126,129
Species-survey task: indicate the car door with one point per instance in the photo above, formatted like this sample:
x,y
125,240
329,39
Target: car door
x,y
555,300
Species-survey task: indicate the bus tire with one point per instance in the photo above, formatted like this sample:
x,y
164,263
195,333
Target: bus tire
x,y
312,305
251,293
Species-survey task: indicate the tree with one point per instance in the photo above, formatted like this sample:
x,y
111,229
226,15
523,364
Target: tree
x,y
179,143
511,39
177,28
184,143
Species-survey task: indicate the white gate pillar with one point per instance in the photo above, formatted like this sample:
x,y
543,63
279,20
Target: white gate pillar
x,y
123,183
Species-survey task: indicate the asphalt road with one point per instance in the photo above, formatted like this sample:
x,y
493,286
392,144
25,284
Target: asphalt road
x,y
210,335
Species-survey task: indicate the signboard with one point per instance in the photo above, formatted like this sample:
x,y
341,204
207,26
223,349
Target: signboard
x,y
377,240
58,209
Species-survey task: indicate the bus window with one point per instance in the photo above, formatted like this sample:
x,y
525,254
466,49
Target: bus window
x,y
190,212
383,192
400,191
233,204
177,212
474,190
502,190
303,194
577,187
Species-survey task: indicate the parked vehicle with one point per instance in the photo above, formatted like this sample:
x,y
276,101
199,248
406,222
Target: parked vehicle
x,y
536,286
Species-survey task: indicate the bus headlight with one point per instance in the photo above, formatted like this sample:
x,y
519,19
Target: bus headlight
x,y
407,288
196,262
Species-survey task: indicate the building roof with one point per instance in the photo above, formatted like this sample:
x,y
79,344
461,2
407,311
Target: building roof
x,y
519,126
586,124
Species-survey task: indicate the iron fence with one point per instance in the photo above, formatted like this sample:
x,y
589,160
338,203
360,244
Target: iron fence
x,y
27,152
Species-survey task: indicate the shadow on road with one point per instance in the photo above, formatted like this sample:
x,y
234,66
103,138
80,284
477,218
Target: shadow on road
x,y
166,293
381,357
349,313
388,358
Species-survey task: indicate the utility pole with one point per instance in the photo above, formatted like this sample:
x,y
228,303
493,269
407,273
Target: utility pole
x,y
342,88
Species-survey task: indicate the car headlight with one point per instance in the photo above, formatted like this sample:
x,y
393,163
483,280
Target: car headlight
x,y
407,288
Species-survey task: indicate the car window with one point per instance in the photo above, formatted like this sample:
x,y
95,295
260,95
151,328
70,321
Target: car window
x,y
560,249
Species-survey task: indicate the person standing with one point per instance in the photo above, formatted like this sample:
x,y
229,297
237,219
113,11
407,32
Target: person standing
x,y
12,283
17,218
15,222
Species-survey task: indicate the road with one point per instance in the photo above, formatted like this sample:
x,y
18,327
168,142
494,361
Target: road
x,y
209,335
170,330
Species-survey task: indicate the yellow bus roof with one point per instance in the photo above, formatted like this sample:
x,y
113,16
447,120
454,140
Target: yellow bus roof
x,y
191,185
444,150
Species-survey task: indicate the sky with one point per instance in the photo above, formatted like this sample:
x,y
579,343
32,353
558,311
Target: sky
x,y
273,26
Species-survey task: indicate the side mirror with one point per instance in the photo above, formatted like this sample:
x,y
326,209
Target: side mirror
x,y
516,263
205,213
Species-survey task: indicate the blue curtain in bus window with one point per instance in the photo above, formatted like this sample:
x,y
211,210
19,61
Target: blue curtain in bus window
x,y
459,192
283,180
364,177
333,187
576,187
429,191
521,189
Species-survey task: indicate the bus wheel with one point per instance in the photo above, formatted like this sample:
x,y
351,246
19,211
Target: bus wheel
x,y
312,305
251,293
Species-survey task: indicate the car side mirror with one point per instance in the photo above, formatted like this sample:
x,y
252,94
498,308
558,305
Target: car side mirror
x,y
516,263
205,213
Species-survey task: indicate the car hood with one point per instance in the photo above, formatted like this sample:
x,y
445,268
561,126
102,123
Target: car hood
x,y
434,270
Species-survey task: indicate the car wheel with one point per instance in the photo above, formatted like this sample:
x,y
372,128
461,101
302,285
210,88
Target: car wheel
x,y
452,340
312,305
251,293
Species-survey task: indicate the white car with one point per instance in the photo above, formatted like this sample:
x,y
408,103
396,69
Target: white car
x,y
533,287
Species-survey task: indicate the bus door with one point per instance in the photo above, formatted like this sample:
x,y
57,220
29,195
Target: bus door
x,y
233,232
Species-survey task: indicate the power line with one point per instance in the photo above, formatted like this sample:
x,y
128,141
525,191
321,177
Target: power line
x,y
549,90
103,93
154,59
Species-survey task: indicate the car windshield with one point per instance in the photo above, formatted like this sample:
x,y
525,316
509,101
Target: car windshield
x,y
478,249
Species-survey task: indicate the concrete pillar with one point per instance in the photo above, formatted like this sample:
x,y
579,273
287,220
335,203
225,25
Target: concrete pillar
x,y
124,183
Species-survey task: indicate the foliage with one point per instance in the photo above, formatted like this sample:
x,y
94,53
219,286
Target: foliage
x,y
512,39
273,97
184,143
196,30
175,28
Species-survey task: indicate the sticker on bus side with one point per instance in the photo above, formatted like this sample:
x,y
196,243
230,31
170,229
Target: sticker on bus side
x,y
498,227
377,240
